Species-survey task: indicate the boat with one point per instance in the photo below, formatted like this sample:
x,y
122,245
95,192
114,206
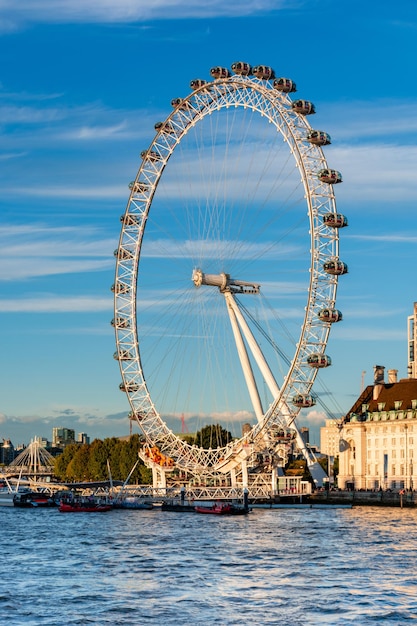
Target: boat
x,y
222,508
32,500
131,502
177,507
84,504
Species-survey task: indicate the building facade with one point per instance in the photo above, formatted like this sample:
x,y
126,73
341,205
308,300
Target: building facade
x,y
378,440
329,438
62,437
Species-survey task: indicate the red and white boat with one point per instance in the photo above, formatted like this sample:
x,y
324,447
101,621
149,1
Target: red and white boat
x,y
222,508
84,504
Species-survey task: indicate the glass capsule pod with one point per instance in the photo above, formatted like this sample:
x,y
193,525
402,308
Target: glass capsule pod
x,y
264,72
129,387
129,219
330,315
285,84
332,177
164,127
242,68
138,187
335,220
319,360
303,400
335,267
120,322
319,138
150,155
120,287
197,83
303,107
122,254
284,435
123,355
219,72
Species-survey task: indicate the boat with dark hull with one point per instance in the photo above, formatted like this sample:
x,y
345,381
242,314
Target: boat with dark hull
x,y
222,508
84,504
33,500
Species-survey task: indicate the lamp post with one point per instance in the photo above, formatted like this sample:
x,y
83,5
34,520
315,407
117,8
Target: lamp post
x,y
406,482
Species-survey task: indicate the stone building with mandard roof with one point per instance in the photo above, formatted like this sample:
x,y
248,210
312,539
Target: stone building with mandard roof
x,y
378,437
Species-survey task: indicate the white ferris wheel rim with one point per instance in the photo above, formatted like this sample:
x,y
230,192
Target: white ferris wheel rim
x,y
259,96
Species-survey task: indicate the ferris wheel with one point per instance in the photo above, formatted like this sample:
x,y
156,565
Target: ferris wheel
x,y
227,267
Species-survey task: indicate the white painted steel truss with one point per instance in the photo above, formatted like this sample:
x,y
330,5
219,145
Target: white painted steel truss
x,y
260,97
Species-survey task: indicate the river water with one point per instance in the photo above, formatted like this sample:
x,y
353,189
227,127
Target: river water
x,y
286,567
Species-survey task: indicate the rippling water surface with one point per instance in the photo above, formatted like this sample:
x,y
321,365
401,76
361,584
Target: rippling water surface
x,y
287,567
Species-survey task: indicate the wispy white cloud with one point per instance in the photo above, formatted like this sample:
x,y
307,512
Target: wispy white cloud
x,y
56,304
13,16
386,237
34,251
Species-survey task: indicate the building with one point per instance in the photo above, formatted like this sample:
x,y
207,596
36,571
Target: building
x,y
412,343
305,435
7,452
329,438
83,438
62,437
378,444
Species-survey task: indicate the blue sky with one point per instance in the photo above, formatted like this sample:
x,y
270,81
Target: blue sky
x,y
81,87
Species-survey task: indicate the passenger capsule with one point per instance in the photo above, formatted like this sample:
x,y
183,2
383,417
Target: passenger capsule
x,y
331,177
303,107
304,400
219,72
120,322
164,127
138,187
122,254
318,360
180,103
284,435
284,84
120,287
335,267
335,220
319,138
123,355
242,68
330,315
129,219
150,155
129,387
197,83
264,72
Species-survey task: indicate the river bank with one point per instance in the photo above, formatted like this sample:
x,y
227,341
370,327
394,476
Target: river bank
x,y
366,498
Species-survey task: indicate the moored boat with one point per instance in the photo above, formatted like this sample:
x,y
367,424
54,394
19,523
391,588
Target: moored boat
x,y
222,508
32,499
84,504
131,502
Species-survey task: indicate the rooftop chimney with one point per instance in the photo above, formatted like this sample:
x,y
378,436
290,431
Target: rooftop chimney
x,y
378,380
392,376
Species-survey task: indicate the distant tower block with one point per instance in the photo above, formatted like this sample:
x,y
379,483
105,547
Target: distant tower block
x,y
412,344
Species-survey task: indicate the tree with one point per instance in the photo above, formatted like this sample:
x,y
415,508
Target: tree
x,y
212,436
80,462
